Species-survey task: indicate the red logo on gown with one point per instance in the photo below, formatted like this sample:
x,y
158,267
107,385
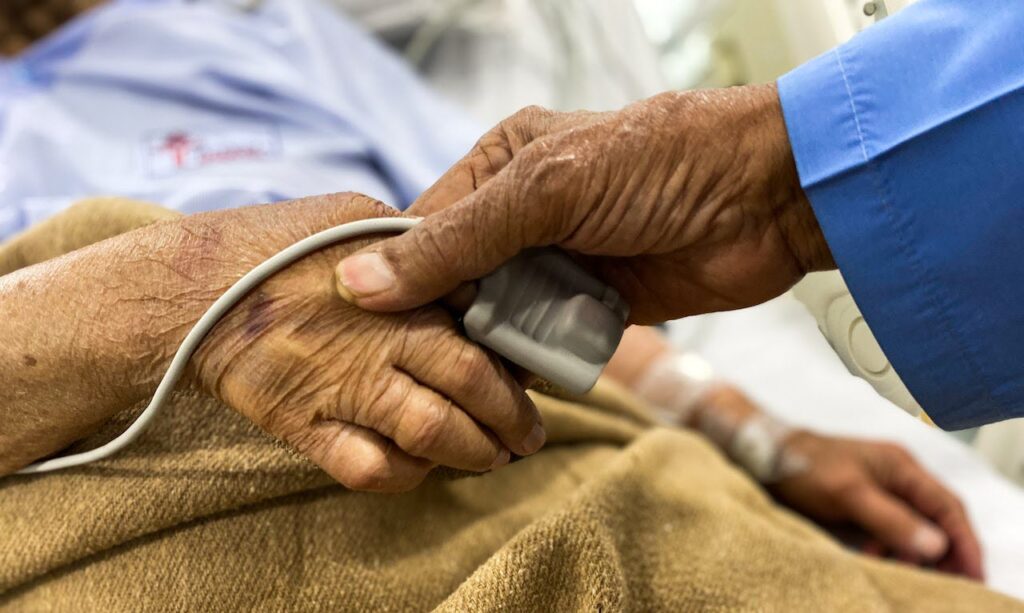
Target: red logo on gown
x,y
178,145
179,150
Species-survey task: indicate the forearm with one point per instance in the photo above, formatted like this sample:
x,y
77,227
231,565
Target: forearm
x,y
88,334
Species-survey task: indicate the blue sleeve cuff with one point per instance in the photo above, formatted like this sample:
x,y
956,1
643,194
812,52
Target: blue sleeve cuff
x,y
875,239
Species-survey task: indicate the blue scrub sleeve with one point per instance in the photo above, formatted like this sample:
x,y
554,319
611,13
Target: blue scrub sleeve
x,y
909,141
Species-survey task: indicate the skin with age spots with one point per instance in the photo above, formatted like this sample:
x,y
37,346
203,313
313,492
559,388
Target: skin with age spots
x,y
259,318
376,400
685,202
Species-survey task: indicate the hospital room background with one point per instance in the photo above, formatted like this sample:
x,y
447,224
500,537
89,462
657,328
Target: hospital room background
x,y
808,356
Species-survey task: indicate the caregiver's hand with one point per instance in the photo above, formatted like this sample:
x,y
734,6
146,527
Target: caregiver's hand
x,y
685,202
375,400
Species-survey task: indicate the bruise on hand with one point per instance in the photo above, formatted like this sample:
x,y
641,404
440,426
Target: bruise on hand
x,y
259,315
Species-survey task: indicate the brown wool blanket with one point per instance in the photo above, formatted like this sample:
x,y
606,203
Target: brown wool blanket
x,y
207,513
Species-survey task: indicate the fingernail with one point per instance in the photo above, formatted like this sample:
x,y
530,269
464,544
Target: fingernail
x,y
504,457
364,275
929,542
534,440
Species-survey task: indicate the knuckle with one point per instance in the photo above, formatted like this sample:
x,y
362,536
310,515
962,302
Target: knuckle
x,y
527,115
492,153
379,406
371,473
305,440
355,204
426,430
469,368
372,206
517,130
956,507
851,492
549,166
900,454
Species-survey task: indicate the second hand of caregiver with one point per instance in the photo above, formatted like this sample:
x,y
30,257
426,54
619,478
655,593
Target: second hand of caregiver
x,y
686,203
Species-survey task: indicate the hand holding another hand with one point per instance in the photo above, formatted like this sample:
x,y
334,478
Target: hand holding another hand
x,y
377,400
685,202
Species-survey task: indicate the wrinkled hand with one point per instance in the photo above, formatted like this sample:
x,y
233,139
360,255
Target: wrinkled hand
x,y
882,489
376,400
685,202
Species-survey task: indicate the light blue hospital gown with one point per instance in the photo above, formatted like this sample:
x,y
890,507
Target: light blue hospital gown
x,y
200,106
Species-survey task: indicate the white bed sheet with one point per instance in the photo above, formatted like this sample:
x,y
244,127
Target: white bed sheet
x,y
777,355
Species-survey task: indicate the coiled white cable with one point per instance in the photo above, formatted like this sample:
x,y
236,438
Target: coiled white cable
x,y
210,318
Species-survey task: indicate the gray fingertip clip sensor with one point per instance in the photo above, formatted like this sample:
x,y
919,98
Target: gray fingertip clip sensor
x,y
547,314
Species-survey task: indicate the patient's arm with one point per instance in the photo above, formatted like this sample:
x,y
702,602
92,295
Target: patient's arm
x,y
876,486
376,400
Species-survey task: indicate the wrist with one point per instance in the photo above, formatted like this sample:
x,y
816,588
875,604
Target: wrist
x,y
285,299
676,386
164,281
741,132
756,441
784,196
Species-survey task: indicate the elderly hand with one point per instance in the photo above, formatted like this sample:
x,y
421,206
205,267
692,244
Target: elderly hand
x,y
685,202
375,400
876,487
882,489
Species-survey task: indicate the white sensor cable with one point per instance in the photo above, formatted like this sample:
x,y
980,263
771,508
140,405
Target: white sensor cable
x,y
209,319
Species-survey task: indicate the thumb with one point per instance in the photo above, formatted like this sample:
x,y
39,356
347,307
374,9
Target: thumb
x,y
461,243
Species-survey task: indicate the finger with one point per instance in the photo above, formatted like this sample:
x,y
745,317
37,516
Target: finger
x,y
915,485
873,548
895,524
361,459
428,425
525,379
461,243
490,155
478,382
536,200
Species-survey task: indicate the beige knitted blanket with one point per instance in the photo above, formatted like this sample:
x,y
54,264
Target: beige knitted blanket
x,y
207,513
